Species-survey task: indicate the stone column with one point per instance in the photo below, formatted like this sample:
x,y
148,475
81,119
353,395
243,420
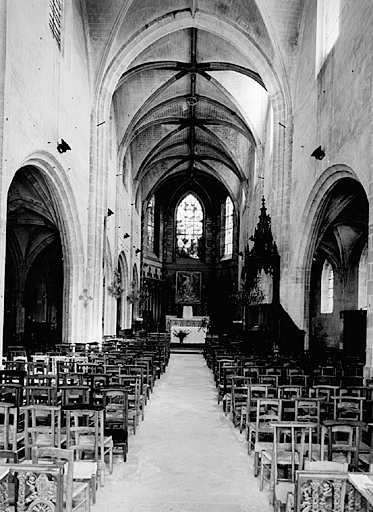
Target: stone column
x,y
3,192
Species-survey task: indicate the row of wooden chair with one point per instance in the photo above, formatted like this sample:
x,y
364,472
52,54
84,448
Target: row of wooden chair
x,y
291,437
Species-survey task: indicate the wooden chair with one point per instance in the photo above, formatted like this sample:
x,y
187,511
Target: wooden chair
x,y
292,443
36,487
72,379
133,369
37,368
239,391
136,401
327,392
248,413
75,493
11,432
115,401
46,395
288,394
13,377
85,433
268,411
318,490
308,410
341,441
42,427
11,393
348,406
75,394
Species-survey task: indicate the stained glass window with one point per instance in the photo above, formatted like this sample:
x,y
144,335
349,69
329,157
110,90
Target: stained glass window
x,y
189,227
151,223
228,227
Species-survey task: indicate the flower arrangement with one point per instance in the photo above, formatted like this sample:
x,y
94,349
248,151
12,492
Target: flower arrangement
x,y
181,335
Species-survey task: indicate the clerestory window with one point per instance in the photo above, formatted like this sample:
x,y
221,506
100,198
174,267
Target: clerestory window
x,y
328,14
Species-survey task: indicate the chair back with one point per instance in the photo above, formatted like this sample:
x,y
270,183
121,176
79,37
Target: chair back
x,y
37,487
268,411
59,455
84,429
308,410
320,490
42,426
9,434
340,440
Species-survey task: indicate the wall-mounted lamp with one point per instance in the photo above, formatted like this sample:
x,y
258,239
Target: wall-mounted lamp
x,y
126,235
319,153
109,212
63,146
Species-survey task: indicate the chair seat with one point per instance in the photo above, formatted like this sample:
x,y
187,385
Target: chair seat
x,y
84,469
283,456
263,429
46,439
263,445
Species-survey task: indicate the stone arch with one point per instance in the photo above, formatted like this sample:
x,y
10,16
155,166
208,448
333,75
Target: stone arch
x,y
308,232
66,219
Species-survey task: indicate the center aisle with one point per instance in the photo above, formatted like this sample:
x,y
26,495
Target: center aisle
x,y
186,455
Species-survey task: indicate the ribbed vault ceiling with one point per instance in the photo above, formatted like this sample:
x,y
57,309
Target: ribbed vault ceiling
x,y
192,103
192,115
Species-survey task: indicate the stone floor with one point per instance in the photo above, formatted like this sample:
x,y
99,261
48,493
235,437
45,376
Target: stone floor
x,y
186,455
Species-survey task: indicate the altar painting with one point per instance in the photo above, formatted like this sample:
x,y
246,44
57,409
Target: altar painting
x,y
188,287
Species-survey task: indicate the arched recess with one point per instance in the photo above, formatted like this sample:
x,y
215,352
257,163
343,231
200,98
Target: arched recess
x,y
334,231
44,256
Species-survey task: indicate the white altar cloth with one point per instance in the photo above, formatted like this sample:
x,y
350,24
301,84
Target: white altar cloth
x,y
196,325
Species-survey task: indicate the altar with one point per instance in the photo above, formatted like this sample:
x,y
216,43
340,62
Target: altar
x,y
195,325
188,294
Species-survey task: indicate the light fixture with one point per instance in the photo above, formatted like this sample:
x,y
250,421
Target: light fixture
x,y
109,212
126,235
319,153
137,251
63,146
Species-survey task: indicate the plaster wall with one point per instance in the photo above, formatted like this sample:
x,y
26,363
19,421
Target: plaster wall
x,y
47,97
331,109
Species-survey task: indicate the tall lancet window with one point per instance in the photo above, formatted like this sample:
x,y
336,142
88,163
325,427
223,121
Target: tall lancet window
x,y
151,223
189,227
228,228
327,288
363,280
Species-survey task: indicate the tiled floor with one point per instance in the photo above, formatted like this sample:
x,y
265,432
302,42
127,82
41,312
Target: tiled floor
x,y
186,455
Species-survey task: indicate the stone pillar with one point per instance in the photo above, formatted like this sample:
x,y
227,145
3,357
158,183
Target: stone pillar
x,y
368,370
3,193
